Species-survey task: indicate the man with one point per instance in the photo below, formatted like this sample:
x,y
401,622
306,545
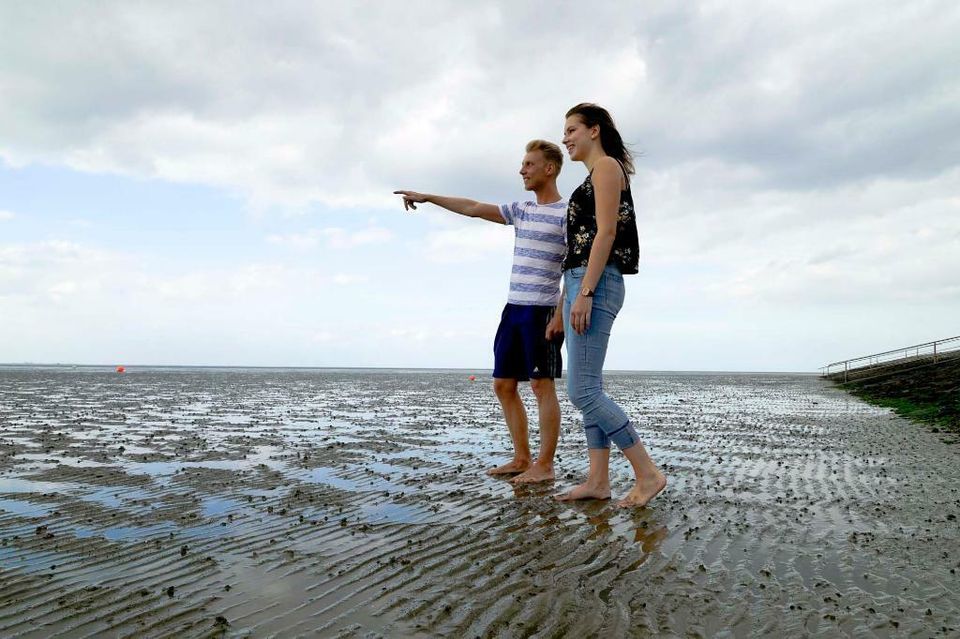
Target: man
x,y
521,350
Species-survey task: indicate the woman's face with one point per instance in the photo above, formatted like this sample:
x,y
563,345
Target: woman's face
x,y
578,138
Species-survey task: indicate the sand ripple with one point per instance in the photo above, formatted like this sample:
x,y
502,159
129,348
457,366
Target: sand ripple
x,y
258,503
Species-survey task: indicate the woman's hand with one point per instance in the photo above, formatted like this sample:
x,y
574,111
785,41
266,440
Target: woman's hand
x,y
580,314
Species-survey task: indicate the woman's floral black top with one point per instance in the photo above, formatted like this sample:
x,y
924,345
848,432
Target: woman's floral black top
x,y
582,228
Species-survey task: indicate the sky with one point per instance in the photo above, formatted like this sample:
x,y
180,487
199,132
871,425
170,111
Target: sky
x,y
211,183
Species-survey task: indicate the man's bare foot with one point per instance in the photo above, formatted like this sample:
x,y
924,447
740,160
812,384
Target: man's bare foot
x,y
511,468
586,491
535,474
643,491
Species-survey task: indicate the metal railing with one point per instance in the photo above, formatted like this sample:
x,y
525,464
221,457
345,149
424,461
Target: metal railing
x,y
929,352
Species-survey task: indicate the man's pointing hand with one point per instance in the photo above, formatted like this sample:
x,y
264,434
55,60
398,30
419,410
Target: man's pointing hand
x,y
411,199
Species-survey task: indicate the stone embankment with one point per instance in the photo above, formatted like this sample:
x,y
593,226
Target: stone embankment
x,y
925,390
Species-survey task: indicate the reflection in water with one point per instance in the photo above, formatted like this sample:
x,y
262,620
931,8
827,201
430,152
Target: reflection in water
x,y
650,539
642,526
601,524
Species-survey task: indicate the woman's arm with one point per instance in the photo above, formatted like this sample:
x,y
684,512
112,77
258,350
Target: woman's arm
x,y
607,185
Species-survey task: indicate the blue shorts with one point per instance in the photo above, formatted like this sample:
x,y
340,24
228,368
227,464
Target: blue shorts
x,y
521,350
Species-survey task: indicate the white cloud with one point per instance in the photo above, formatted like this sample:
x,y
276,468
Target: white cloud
x,y
249,284
307,104
63,300
415,334
60,271
469,243
55,269
324,337
300,241
348,279
796,156
6,215
885,240
332,237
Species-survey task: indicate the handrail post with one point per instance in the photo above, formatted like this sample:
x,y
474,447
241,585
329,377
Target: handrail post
x,y
934,352
845,365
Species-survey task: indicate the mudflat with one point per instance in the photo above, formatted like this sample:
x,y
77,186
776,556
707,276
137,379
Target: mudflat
x,y
285,503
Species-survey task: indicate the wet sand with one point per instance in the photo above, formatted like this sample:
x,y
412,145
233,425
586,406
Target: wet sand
x,y
258,503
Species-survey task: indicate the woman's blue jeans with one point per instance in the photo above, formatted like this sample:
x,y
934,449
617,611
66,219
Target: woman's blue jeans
x,y
603,420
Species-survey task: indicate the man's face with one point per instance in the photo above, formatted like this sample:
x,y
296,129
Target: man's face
x,y
534,170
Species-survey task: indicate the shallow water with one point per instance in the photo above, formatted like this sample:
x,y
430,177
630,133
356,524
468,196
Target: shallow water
x,y
354,503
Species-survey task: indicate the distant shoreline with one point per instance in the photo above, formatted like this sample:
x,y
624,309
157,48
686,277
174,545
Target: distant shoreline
x,y
132,367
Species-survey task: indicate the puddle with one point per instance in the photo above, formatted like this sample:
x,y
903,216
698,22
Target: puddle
x,y
24,508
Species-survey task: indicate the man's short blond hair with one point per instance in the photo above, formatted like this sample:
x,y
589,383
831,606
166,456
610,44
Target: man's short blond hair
x,y
551,152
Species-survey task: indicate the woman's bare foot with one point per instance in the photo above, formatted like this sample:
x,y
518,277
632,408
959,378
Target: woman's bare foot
x,y
536,473
511,468
643,491
586,490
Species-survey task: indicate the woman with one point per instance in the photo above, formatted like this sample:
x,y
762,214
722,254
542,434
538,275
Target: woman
x,y
602,247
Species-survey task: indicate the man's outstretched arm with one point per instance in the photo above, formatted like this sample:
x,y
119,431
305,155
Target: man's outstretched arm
x,y
461,205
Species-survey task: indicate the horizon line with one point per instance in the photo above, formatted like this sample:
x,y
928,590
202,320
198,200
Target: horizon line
x,y
374,368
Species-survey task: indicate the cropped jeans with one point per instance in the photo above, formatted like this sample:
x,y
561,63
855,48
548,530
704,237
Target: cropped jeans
x,y
603,420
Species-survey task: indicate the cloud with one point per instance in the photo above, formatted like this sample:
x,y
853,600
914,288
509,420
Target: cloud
x,y
324,337
468,243
348,279
333,238
6,215
59,271
302,104
793,154
808,97
67,301
246,285
55,269
884,242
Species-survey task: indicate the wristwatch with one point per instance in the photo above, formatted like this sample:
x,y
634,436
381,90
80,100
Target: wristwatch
x,y
586,291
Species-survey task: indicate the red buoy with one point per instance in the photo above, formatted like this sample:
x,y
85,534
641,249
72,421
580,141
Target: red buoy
x,y
121,369
473,378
